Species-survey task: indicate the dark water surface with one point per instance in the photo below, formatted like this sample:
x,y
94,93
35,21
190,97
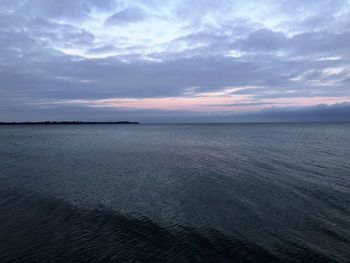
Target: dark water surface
x,y
175,193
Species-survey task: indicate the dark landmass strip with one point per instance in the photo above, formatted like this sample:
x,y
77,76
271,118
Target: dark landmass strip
x,y
67,122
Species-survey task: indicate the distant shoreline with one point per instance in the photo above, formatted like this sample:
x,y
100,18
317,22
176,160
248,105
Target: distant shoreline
x,y
67,122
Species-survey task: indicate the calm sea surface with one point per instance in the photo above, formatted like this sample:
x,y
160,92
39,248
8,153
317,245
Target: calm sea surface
x,y
175,193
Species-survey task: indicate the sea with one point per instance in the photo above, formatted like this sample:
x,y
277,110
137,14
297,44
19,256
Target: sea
x,y
175,193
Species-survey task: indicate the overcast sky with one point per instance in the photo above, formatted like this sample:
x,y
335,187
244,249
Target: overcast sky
x,y
175,61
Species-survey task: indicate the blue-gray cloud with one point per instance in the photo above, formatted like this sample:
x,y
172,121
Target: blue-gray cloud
x,y
50,51
128,15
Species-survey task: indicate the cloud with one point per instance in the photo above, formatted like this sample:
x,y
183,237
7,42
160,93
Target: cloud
x,y
128,15
102,49
78,9
319,113
157,52
263,40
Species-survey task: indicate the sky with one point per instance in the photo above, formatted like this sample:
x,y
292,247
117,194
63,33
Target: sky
x,y
175,61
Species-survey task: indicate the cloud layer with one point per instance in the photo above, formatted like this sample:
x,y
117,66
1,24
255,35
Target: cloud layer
x,y
118,59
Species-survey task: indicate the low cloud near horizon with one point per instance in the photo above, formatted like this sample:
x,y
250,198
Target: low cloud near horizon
x,y
175,61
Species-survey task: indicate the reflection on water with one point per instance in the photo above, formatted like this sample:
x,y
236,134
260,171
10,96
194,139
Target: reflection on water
x,y
175,193
49,230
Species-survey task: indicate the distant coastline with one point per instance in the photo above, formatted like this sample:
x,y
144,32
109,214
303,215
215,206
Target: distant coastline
x,y
67,122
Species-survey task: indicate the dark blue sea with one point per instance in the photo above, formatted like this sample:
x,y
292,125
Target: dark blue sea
x,y
175,193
